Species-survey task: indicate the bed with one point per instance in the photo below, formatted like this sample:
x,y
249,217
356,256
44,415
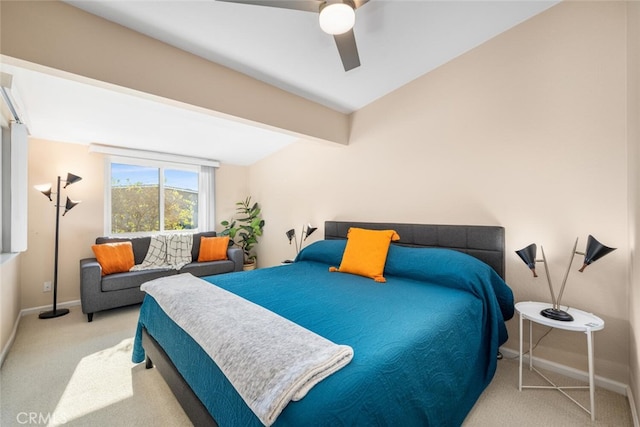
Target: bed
x,y
425,343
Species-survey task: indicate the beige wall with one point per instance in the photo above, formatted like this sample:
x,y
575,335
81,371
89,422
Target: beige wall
x,y
232,185
527,131
9,297
633,118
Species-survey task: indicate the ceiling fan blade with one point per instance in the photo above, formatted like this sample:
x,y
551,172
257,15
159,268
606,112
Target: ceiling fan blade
x,y
348,50
304,5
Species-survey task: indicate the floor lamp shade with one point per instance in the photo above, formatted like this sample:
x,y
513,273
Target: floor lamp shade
x,y
71,179
46,190
70,204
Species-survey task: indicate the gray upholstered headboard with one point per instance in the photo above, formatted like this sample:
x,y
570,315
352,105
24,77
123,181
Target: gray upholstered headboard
x,y
480,241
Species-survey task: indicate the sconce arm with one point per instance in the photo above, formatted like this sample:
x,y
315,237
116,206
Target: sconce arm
x,y
546,270
566,274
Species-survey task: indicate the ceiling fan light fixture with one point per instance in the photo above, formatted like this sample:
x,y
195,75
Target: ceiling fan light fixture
x,y
337,18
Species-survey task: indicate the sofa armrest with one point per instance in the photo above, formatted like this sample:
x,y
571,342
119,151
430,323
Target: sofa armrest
x,y
237,256
90,283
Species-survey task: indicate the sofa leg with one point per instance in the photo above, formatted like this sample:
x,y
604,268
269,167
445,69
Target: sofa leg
x,y
89,317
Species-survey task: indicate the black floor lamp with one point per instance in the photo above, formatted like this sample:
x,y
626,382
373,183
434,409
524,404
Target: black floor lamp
x,y
46,190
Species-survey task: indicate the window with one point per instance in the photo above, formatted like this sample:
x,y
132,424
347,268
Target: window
x,y
146,197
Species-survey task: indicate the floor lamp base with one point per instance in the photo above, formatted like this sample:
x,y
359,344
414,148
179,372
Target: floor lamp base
x,y
54,313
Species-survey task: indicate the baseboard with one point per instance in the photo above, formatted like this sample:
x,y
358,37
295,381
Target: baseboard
x,y
33,310
25,312
632,403
606,383
12,338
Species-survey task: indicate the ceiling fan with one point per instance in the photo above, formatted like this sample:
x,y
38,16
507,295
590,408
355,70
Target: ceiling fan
x,y
337,18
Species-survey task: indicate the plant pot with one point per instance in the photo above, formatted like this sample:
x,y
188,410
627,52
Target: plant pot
x,y
249,266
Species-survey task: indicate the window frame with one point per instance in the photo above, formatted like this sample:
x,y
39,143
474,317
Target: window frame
x,y
161,165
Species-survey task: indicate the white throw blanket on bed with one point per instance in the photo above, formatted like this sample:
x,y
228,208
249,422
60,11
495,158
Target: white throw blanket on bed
x,y
268,359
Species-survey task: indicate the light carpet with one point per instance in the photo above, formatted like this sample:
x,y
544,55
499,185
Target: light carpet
x,y
69,372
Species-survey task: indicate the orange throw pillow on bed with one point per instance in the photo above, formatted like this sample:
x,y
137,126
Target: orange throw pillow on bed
x,y
213,248
114,257
366,252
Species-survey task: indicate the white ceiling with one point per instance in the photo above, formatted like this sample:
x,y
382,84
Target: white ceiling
x,y
398,41
60,109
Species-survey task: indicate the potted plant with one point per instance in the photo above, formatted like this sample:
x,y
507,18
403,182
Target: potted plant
x,y
244,230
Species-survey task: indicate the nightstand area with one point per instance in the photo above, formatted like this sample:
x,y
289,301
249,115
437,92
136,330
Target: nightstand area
x,y
582,322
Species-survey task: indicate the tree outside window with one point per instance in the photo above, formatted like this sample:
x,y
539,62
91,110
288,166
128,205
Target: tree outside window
x,y
147,199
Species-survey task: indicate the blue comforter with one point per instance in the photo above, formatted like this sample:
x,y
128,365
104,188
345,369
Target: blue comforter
x,y
425,342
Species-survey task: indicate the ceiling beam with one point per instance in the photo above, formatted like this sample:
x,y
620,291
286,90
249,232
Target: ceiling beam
x,y
59,36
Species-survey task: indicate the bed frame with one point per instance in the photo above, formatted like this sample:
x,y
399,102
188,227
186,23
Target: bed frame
x,y
483,242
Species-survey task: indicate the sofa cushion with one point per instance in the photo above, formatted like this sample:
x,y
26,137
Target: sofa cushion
x,y
132,279
200,269
195,249
140,245
114,257
213,248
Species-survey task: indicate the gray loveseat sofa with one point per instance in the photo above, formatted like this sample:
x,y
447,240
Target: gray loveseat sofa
x,y
99,292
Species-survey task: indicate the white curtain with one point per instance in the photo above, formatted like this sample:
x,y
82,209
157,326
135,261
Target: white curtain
x,y
206,200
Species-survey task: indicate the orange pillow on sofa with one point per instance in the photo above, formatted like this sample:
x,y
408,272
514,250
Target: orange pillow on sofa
x,y
366,252
114,257
213,248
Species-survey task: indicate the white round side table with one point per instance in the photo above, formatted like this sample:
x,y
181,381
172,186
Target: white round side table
x,y
582,322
